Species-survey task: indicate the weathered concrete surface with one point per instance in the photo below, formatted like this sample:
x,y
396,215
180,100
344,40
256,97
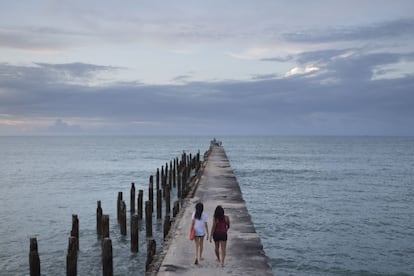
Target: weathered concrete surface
x,y
245,255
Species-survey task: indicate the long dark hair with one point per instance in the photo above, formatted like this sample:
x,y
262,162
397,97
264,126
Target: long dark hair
x,y
219,213
199,210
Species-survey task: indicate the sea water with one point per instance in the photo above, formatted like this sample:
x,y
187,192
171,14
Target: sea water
x,y
321,205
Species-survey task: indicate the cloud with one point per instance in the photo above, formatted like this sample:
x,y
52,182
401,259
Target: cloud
x,y
61,127
354,103
39,38
384,30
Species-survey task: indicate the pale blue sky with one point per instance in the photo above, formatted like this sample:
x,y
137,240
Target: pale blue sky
x,y
207,67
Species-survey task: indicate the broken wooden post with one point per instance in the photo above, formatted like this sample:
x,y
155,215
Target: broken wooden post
x,y
72,258
179,187
157,178
134,233
167,200
118,205
140,201
107,264
75,230
159,204
123,219
34,260
99,219
148,219
167,225
132,197
105,226
151,192
151,248
176,208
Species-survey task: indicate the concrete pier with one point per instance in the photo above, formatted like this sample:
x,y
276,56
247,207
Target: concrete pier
x,y
245,256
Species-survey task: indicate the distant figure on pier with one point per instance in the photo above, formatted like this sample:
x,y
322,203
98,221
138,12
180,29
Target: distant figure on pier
x,y
199,223
221,224
215,142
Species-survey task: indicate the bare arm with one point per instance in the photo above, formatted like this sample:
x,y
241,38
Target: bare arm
x,y
207,229
228,222
213,227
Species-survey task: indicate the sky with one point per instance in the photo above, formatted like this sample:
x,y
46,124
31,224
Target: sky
x,y
214,68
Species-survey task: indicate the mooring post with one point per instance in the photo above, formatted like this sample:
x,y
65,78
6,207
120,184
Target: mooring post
x,y
75,230
179,186
99,219
105,226
134,233
176,208
118,205
175,173
167,225
159,204
34,260
107,264
166,173
167,200
140,203
162,181
123,219
158,179
71,258
151,248
148,219
151,192
170,174
132,198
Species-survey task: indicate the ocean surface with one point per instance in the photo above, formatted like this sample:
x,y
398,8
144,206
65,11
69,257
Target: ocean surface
x,y
321,205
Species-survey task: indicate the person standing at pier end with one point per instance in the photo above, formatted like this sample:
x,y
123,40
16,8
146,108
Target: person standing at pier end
x,y
199,223
221,224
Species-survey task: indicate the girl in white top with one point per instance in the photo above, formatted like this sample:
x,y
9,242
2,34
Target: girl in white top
x,y
199,222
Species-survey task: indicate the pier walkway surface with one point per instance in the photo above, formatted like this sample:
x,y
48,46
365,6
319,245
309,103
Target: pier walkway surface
x,y
245,256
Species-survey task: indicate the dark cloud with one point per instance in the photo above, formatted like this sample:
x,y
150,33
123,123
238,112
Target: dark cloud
x,y
61,127
278,59
341,99
385,30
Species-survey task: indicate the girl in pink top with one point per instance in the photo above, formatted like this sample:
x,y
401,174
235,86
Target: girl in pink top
x,y
221,225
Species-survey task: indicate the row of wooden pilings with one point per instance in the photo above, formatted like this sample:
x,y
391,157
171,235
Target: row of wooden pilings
x,y
178,175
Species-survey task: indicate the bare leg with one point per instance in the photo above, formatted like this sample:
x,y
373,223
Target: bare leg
x,y
223,251
217,244
201,248
197,245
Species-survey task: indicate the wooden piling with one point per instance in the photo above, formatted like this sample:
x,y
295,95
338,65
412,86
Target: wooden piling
x,y
75,230
167,225
134,233
148,219
140,203
99,219
105,226
174,174
132,198
123,219
167,200
118,205
179,187
166,173
151,192
151,249
159,204
107,263
158,179
34,260
72,258
176,208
